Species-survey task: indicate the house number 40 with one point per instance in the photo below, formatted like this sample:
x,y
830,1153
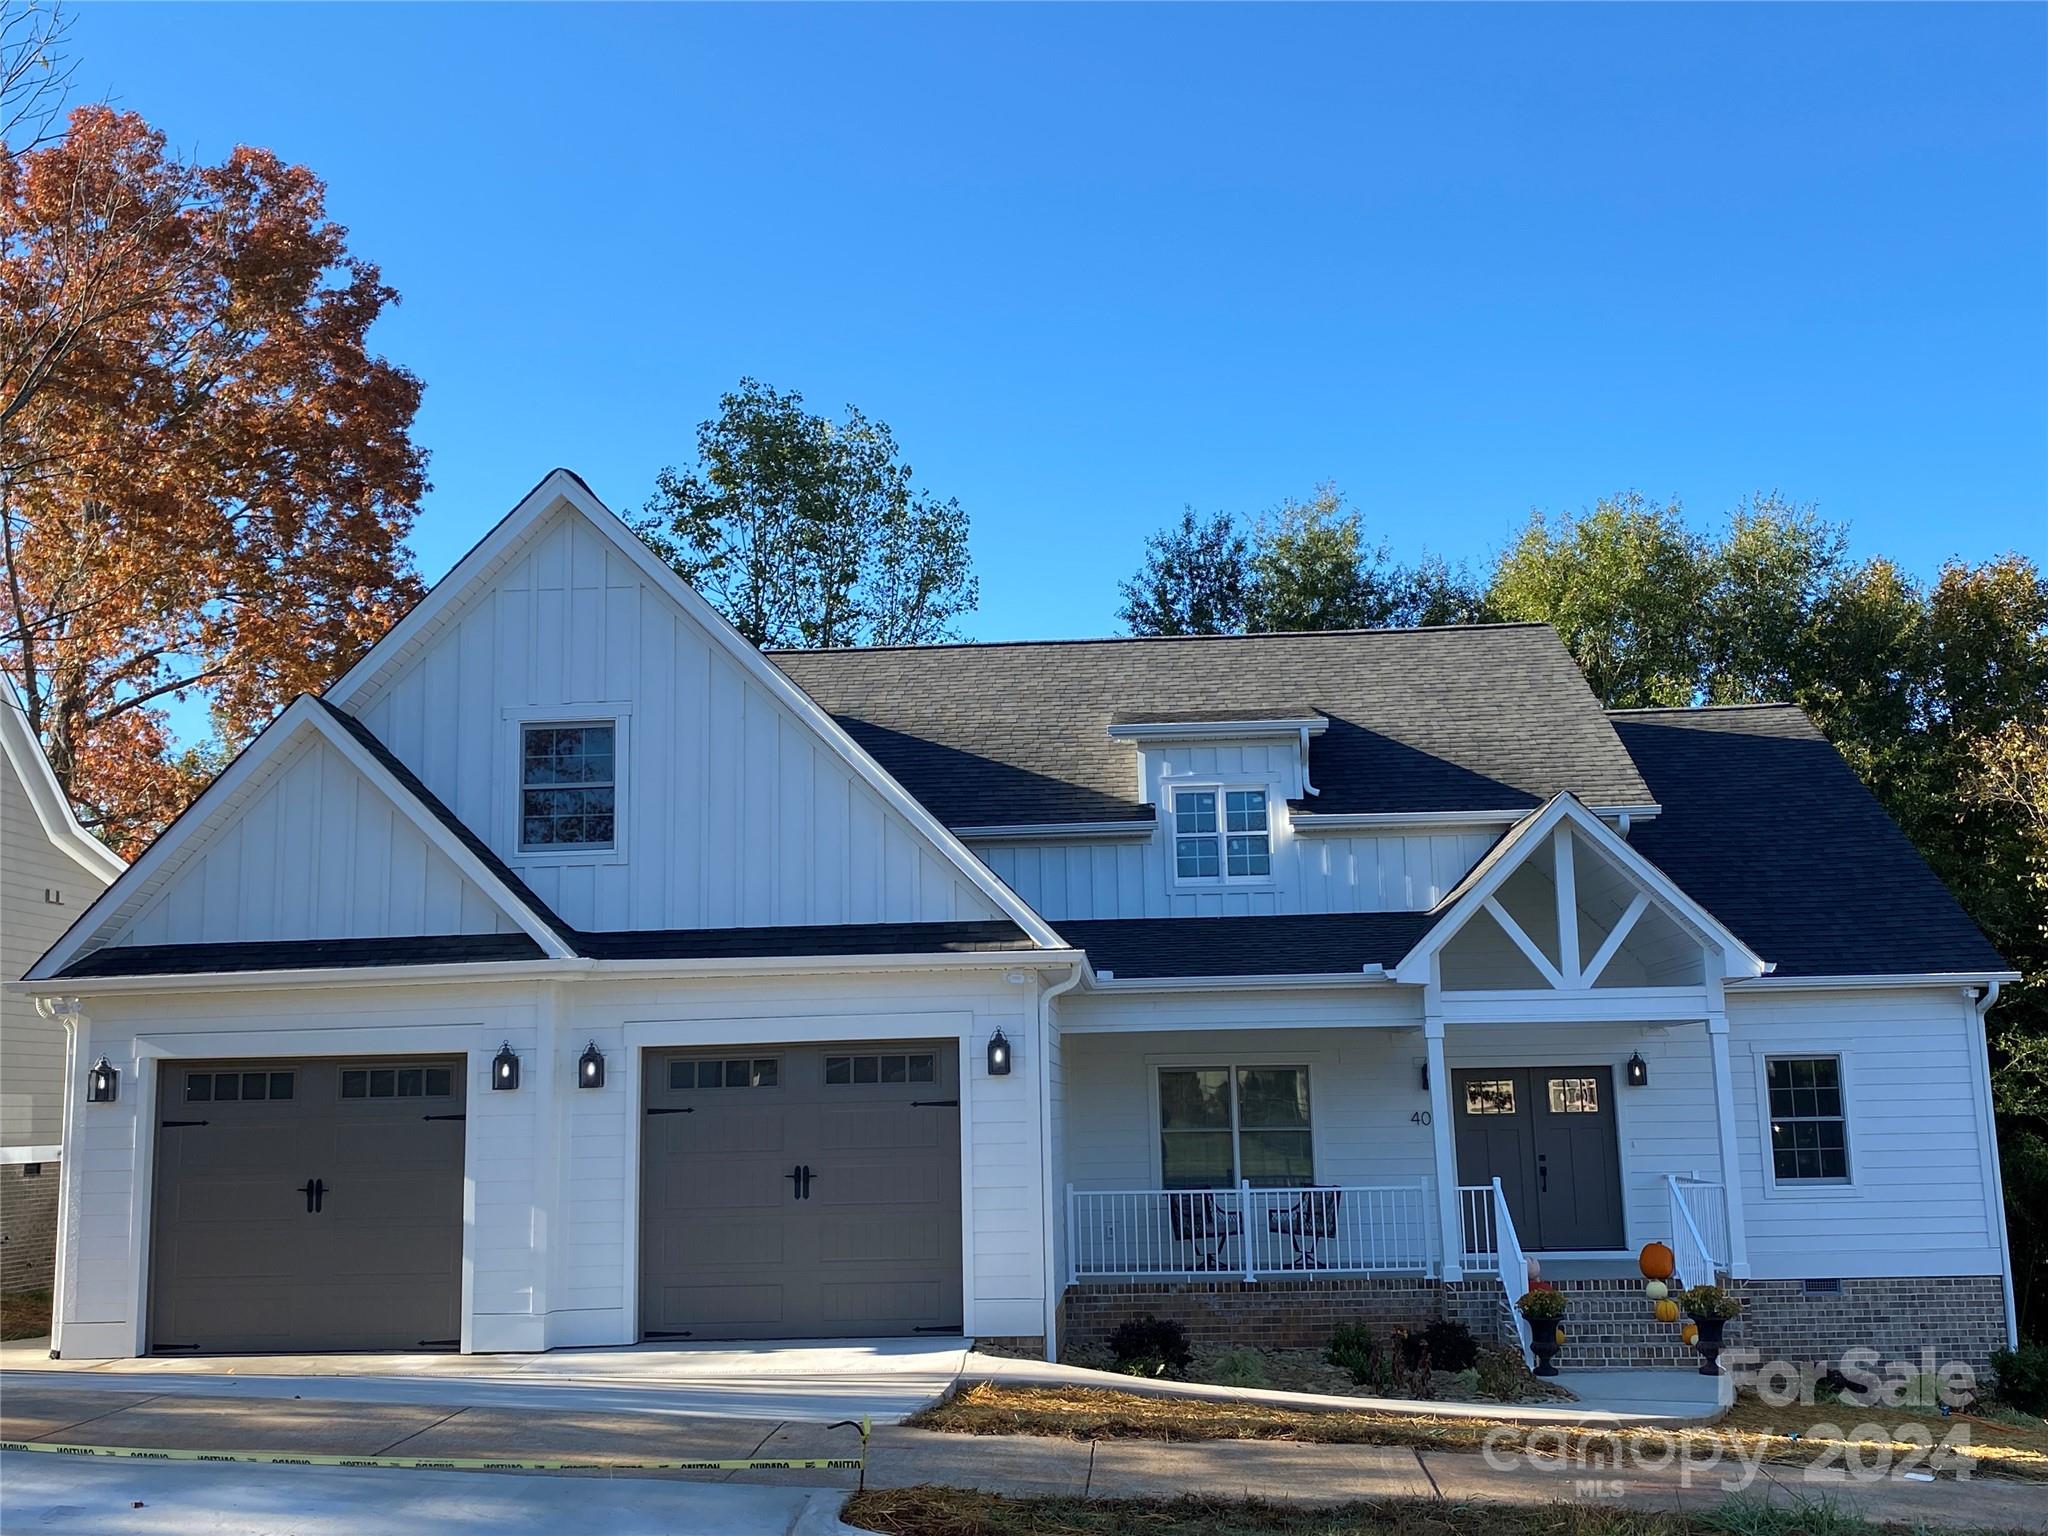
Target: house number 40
x,y
1420,1117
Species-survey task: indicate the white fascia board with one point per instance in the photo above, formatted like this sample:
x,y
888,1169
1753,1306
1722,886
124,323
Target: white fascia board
x,y
563,488
569,970
1347,821
1206,730
1297,980
46,795
12,1155
1025,831
1867,983
1738,959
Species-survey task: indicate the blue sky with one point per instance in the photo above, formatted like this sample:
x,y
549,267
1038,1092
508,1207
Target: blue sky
x,y
1094,263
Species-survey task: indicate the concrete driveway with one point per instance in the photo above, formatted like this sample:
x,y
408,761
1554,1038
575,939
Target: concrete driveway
x,y
886,1380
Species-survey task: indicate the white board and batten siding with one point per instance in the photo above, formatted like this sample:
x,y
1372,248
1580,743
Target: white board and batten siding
x,y
732,811
1919,1200
318,852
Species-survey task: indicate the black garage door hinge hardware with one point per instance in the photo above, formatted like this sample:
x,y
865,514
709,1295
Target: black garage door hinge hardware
x,y
444,1117
934,1103
959,1327
171,1349
171,1125
666,1109
659,1333
439,1344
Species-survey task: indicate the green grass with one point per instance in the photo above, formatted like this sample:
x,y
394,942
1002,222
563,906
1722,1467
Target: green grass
x,y
24,1314
928,1511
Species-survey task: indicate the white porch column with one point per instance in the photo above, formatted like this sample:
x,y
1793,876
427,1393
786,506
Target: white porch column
x,y
1731,1160
1446,1154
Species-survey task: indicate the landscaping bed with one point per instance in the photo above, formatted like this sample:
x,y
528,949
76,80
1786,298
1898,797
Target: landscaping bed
x,y
24,1314
1310,1370
927,1511
1752,1428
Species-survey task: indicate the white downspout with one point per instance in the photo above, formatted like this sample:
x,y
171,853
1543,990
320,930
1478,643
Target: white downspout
x,y
1982,1006
1047,1216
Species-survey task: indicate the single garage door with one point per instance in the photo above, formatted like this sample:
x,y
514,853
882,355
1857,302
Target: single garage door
x,y
306,1205
801,1192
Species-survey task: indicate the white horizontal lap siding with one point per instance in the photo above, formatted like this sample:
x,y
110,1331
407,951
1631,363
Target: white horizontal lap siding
x,y
1389,872
1918,1202
32,1047
1666,1126
320,853
732,813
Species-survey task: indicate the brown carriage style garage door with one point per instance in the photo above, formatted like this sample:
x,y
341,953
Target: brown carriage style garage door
x,y
801,1191
308,1205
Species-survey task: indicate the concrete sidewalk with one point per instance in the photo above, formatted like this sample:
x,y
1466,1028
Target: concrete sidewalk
x,y
77,1412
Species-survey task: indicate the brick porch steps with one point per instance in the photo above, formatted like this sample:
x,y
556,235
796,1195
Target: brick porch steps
x,y
1608,1326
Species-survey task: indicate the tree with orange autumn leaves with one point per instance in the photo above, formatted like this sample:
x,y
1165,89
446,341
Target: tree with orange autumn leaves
x,y
206,475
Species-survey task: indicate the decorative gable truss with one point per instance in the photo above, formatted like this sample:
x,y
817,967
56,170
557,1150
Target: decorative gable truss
x,y
1562,903
307,835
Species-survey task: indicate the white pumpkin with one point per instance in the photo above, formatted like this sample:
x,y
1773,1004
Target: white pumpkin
x,y
1535,1268
1656,1290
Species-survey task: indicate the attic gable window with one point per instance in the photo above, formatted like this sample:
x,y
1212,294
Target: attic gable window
x,y
1221,834
568,786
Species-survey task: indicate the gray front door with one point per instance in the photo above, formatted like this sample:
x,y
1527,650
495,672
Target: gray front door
x,y
307,1205
801,1191
1548,1135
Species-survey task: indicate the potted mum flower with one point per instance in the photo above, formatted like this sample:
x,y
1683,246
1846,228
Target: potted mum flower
x,y
1710,1308
1543,1306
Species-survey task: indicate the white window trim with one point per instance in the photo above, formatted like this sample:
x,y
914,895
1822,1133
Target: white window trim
x,y
1803,1189
1231,1063
511,755
1223,879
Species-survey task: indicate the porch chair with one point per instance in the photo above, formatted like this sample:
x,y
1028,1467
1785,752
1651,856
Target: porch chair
x,y
1310,1219
1198,1220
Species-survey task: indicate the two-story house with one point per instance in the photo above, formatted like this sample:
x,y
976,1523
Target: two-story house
x,y
573,973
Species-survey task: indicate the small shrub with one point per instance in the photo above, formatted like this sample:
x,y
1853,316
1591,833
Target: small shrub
x,y
1150,1346
1501,1374
2020,1377
1467,1382
1238,1368
1408,1354
1448,1344
1351,1349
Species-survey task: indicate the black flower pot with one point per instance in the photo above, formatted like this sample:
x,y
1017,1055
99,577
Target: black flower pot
x,y
1543,1340
1709,1343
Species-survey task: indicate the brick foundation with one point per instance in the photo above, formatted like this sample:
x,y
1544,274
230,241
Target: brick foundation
x,y
1959,1317
1608,1323
28,1226
1282,1313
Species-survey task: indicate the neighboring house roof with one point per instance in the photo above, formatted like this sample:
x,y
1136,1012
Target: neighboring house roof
x,y
961,938
53,809
1318,944
1480,717
1766,826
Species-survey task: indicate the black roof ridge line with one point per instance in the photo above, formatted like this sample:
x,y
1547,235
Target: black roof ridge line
x,y
1263,634
1705,709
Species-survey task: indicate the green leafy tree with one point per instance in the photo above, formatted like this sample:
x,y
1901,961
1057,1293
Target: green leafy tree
x,y
804,531
1193,581
1625,585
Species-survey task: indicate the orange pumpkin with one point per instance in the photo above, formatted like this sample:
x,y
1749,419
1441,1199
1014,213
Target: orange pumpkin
x,y
1560,1336
1667,1311
1657,1261
1689,1333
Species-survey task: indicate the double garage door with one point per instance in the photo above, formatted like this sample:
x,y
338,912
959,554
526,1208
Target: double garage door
x,y
786,1192
801,1192
308,1205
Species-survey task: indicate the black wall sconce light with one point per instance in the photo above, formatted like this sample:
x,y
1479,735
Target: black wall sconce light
x,y
1425,1077
998,1054
102,1083
1638,1070
590,1067
505,1068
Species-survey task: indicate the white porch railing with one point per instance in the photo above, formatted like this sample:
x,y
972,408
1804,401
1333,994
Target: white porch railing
x,y
1699,1229
1247,1232
1492,1247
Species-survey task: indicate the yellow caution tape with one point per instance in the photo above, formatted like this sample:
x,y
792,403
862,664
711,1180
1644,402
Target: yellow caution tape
x,y
463,1463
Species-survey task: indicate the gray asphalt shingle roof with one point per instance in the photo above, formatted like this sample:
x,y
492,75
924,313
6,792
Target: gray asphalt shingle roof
x,y
1481,717
1769,829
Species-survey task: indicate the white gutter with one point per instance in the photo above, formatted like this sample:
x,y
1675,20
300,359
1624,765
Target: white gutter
x,y
515,971
1109,981
1983,1006
1904,979
1210,730
1047,1212
1020,831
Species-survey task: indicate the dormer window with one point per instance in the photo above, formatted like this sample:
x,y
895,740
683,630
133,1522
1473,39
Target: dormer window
x,y
1221,834
568,786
